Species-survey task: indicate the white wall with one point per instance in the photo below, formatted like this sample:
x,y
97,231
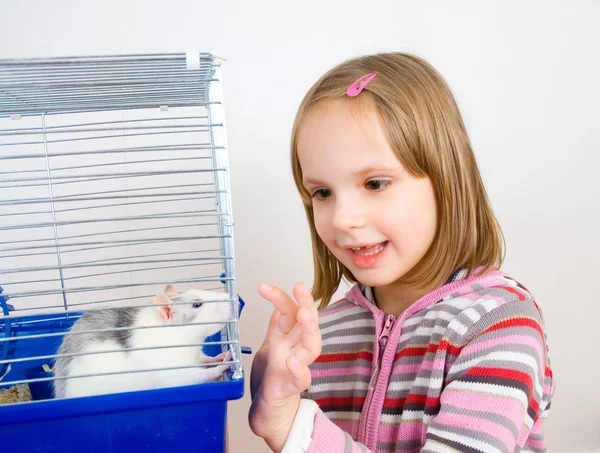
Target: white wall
x,y
525,75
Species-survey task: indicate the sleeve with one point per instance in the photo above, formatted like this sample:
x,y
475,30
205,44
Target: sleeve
x,y
313,432
300,435
494,389
329,438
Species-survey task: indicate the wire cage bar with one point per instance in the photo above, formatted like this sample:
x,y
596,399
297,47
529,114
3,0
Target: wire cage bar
x,y
114,182
79,84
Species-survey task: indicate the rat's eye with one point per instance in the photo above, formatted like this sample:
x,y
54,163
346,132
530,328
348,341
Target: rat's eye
x,y
197,304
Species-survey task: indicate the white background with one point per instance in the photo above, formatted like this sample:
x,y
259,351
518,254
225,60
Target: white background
x,y
525,75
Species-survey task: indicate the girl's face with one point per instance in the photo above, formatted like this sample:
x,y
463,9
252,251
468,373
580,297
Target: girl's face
x,y
374,216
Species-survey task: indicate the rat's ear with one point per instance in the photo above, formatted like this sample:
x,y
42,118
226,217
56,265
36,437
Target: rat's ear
x,y
170,289
166,311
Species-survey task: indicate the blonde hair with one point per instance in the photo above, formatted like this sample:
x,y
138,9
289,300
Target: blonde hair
x,y
425,128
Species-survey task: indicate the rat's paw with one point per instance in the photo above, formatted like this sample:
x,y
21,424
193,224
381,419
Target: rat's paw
x,y
223,357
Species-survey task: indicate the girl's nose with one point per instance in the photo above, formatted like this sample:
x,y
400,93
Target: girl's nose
x,y
348,214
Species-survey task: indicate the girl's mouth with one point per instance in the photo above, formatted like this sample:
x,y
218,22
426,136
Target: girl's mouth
x,y
367,256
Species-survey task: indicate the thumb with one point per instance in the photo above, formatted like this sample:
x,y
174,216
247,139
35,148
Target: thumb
x,y
272,325
301,377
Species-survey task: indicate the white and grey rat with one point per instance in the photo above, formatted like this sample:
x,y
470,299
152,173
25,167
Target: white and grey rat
x,y
162,314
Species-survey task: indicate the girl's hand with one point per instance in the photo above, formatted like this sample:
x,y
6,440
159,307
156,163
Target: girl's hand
x,y
292,343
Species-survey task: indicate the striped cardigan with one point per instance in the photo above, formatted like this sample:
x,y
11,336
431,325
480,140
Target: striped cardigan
x,y
464,369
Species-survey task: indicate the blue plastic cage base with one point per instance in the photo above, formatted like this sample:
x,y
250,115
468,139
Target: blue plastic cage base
x,y
182,419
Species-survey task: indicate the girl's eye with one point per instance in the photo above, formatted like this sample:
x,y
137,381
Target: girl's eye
x,y
377,185
321,194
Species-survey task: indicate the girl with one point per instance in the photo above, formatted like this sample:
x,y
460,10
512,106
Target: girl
x,y
434,349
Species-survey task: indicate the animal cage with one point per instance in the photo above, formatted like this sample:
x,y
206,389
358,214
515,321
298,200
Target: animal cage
x,y
114,183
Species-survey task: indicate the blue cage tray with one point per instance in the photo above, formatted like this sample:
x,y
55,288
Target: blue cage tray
x,y
189,419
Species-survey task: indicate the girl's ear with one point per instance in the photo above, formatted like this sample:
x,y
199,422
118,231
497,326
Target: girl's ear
x,y
166,311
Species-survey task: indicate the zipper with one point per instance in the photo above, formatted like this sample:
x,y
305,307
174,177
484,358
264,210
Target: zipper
x,y
382,340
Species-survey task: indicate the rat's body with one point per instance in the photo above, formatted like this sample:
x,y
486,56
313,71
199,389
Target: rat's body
x,y
191,310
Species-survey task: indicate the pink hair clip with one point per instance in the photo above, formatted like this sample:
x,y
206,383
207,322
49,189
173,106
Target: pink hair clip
x,y
360,83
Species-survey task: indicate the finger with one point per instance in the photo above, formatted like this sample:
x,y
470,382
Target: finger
x,y
283,303
270,328
272,325
310,342
301,377
305,338
305,299
294,337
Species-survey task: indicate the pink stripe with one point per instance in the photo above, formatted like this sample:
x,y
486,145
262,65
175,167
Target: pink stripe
x,y
409,368
438,365
534,443
341,372
405,431
537,427
492,404
481,347
333,311
488,427
478,297
504,340
349,426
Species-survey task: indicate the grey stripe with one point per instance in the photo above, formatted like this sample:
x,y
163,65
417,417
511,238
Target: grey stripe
x,y
423,374
363,316
499,419
472,434
501,292
349,331
530,449
330,347
404,377
368,293
402,445
345,307
331,392
341,379
521,348
480,309
414,389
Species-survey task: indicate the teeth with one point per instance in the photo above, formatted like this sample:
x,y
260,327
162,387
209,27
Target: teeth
x,y
368,250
